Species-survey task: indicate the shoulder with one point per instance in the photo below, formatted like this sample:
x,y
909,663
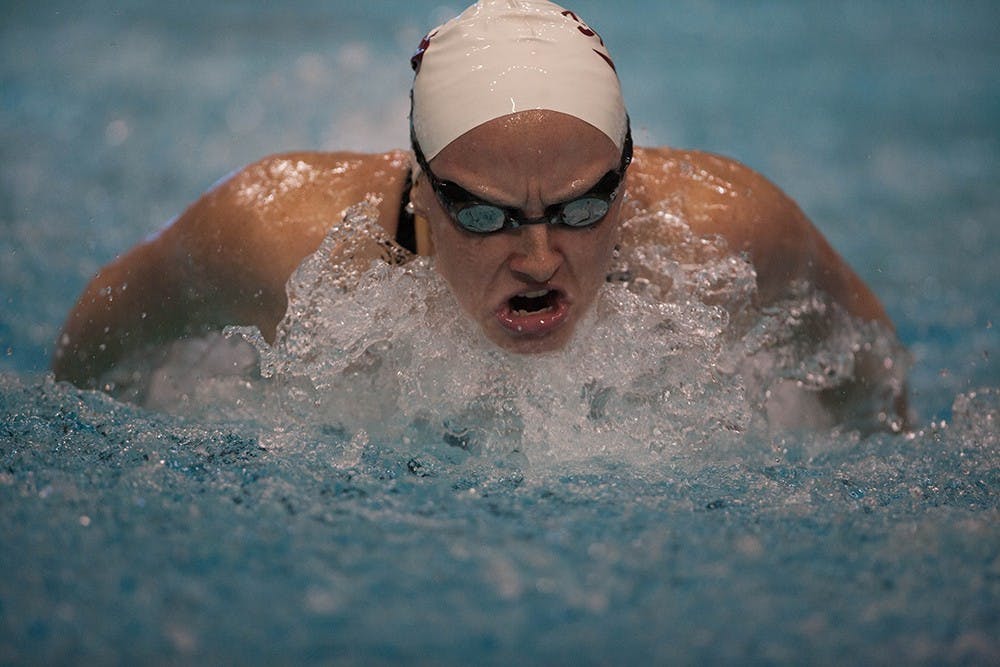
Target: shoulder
x,y
250,231
311,182
272,213
303,167
715,195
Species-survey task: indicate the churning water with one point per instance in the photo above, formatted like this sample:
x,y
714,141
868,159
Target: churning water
x,y
380,485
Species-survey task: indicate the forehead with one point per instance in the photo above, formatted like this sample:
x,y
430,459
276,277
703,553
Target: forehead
x,y
530,143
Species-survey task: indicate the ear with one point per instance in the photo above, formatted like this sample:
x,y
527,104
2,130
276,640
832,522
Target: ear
x,y
620,206
420,190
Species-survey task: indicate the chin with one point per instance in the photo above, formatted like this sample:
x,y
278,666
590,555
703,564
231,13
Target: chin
x,y
551,342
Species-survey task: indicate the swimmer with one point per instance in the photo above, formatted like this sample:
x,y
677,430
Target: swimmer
x,y
521,183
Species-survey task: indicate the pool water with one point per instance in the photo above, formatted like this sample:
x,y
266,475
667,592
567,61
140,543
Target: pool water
x,y
376,499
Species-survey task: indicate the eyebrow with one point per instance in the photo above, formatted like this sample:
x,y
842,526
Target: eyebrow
x,y
626,160
562,200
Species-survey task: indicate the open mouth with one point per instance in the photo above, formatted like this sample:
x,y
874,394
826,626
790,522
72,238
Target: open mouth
x,y
534,313
529,303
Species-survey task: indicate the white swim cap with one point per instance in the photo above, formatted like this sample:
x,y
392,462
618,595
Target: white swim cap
x,y
503,56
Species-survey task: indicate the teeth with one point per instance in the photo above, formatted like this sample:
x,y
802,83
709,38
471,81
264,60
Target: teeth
x,y
535,307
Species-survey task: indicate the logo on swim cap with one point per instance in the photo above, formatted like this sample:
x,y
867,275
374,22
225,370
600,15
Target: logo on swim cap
x,y
418,57
501,57
587,31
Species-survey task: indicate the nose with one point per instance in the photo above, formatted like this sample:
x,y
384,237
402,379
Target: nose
x,y
536,258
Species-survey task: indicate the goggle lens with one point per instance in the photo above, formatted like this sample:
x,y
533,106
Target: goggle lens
x,y
584,212
479,217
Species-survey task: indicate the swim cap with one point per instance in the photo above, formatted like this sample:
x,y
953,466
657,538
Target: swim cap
x,y
503,56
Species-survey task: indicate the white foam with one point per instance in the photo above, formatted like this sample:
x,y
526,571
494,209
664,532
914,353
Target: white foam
x,y
659,368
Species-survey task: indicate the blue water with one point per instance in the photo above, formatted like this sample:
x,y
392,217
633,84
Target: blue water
x,y
248,528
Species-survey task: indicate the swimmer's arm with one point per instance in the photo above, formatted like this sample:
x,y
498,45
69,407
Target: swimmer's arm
x,y
167,287
785,246
719,196
789,247
225,260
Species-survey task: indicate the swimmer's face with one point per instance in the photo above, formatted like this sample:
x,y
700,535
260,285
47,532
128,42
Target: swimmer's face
x,y
527,287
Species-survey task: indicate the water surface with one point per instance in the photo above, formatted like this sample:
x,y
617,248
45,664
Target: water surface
x,y
295,519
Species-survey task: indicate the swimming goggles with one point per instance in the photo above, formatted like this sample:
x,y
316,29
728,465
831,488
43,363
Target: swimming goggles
x,y
482,217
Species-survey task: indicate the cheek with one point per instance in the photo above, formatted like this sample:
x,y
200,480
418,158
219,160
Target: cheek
x,y
598,253
459,261
592,261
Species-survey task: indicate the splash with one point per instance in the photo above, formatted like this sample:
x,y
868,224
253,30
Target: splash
x,y
673,361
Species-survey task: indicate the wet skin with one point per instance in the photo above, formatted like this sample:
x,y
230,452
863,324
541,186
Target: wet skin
x,y
527,288
226,259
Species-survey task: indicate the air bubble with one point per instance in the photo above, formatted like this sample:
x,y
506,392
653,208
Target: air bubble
x,y
675,362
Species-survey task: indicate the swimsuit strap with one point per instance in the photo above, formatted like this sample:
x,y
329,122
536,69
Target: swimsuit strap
x,y
406,229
